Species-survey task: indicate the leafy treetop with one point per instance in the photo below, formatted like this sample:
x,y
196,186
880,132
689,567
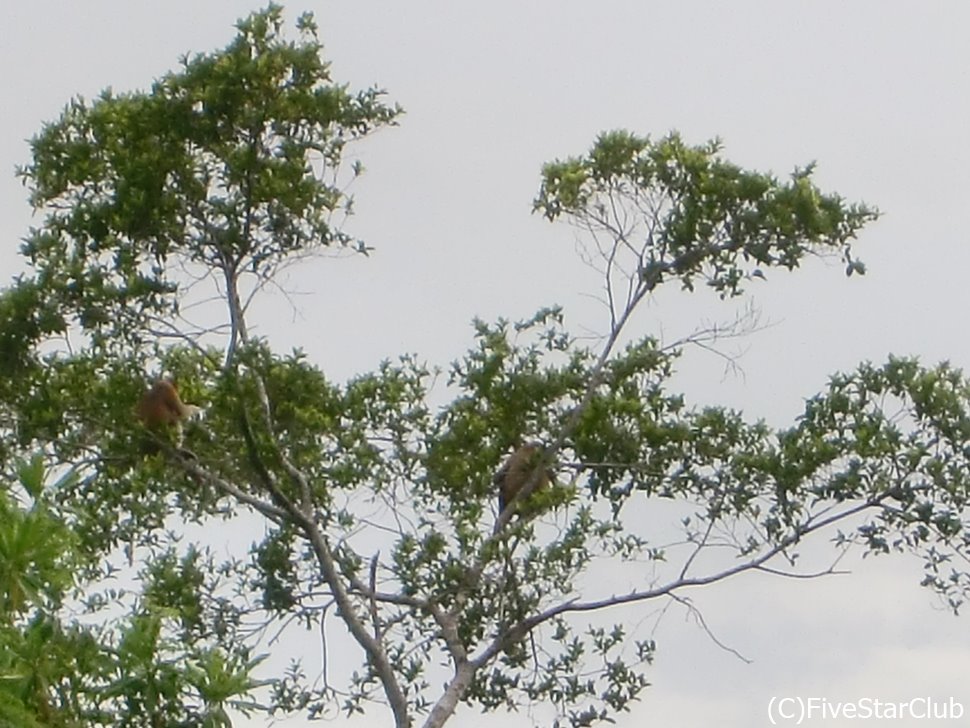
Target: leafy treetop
x,y
371,503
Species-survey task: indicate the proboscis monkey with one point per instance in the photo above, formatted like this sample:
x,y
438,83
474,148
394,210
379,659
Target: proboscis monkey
x,y
516,472
161,407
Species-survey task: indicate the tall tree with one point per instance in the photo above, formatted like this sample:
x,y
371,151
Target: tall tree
x,y
378,509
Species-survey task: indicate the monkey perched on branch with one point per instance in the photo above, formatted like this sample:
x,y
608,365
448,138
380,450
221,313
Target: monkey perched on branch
x,y
517,472
161,407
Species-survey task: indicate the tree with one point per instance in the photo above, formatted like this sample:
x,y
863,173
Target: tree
x,y
378,508
61,674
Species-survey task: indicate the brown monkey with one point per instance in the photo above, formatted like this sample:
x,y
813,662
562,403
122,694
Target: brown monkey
x,y
161,407
516,473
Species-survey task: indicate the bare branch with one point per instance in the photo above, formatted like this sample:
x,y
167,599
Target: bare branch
x,y
575,605
694,612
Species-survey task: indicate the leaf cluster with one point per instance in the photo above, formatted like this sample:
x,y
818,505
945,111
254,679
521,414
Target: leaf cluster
x,y
683,212
373,501
229,162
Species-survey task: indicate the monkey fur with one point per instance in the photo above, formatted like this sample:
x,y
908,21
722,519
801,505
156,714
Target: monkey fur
x,y
161,407
516,473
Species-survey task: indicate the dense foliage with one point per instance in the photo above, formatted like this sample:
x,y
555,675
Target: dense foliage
x,y
369,508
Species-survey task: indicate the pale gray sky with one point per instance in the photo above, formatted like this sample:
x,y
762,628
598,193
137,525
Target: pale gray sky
x,y
877,91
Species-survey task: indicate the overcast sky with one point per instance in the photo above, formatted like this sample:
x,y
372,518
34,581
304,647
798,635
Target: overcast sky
x,y
878,92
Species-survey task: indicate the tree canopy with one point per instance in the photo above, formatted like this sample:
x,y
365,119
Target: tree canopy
x,y
373,502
